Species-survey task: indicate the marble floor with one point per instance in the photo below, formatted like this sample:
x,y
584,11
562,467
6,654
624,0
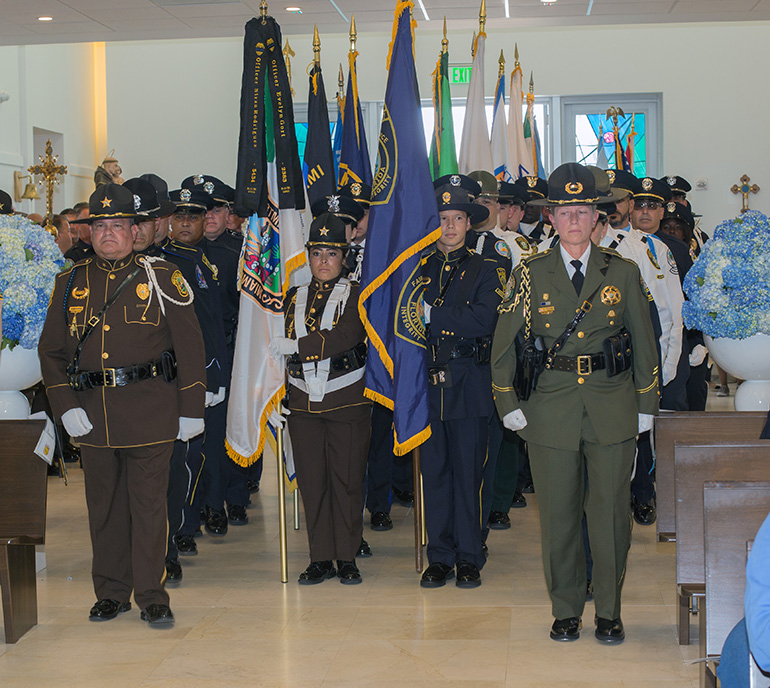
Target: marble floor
x,y
237,624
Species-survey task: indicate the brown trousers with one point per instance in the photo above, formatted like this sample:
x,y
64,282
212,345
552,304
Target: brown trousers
x,y
126,499
330,450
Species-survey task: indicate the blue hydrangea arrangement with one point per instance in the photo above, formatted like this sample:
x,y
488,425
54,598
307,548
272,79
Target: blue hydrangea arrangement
x,y
29,262
728,286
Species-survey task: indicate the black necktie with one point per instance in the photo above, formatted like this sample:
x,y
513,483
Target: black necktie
x,y
577,278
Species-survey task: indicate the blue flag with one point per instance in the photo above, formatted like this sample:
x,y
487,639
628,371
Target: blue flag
x,y
354,158
337,143
403,221
318,165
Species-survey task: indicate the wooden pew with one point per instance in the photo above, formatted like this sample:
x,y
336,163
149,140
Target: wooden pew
x,y
692,427
23,483
695,464
733,511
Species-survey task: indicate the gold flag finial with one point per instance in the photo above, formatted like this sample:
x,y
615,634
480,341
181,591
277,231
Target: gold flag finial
x,y
531,82
473,45
444,41
352,35
516,56
501,64
341,80
288,53
483,17
263,10
316,46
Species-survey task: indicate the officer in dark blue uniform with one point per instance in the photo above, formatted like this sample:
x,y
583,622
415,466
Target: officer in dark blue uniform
x,y
462,293
535,226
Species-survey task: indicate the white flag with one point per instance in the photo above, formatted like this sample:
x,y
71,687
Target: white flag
x,y
475,148
522,161
501,152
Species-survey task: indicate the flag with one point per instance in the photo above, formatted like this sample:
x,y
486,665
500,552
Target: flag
x,y
443,157
403,221
319,160
620,159
521,162
532,139
475,149
501,157
630,139
354,159
337,140
601,156
273,259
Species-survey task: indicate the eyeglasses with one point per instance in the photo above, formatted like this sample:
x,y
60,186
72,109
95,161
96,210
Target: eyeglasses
x,y
650,205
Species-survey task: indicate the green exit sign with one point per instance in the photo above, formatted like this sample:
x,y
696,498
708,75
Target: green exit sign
x,y
460,73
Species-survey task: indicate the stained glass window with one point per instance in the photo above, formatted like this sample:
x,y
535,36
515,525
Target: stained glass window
x,y
587,140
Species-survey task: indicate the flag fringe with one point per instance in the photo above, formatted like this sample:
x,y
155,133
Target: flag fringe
x,y
246,461
353,79
401,448
402,5
381,399
294,263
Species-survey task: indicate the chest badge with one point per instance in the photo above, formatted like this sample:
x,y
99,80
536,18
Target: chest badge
x,y
610,296
142,290
79,292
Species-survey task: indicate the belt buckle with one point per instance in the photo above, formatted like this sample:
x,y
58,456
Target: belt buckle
x,y
584,365
111,372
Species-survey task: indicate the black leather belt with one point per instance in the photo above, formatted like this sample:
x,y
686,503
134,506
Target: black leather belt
x,y
347,361
119,377
582,365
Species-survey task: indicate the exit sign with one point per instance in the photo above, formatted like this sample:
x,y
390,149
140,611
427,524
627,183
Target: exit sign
x,y
460,73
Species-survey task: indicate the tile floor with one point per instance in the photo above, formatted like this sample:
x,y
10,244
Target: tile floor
x,y
237,624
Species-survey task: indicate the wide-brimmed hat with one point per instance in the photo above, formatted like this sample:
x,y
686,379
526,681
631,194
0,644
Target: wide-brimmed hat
x,y
487,181
110,201
161,190
570,184
512,193
450,197
461,180
196,200
606,193
223,194
343,207
148,206
327,230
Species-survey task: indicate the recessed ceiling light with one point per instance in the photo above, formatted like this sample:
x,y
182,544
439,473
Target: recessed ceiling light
x,y
45,18
294,10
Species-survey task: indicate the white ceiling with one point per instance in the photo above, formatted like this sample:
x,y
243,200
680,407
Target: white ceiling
x,y
115,20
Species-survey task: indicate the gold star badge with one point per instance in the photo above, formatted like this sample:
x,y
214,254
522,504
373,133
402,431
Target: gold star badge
x,y
324,231
106,202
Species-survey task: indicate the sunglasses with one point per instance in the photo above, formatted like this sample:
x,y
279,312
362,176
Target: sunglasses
x,y
650,205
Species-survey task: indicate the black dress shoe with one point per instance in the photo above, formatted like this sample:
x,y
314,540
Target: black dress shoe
x,y
348,572
589,591
566,630
104,610
436,575
236,514
203,516
644,512
485,550
157,615
317,572
519,501
405,498
216,522
173,572
468,575
381,521
365,550
252,486
186,545
529,487
609,631
498,520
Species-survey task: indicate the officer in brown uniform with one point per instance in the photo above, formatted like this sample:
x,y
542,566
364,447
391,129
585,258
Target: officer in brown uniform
x,y
122,359
329,421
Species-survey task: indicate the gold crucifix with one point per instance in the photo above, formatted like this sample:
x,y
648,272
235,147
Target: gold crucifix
x,y
50,171
744,189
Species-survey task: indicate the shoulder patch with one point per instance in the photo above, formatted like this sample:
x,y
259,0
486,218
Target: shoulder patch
x,y
181,286
201,279
651,256
645,289
523,244
503,249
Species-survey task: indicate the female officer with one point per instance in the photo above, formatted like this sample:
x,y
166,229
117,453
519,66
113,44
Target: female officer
x,y
330,418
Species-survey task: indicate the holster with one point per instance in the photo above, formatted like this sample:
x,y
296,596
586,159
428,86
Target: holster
x,y
530,362
618,353
440,376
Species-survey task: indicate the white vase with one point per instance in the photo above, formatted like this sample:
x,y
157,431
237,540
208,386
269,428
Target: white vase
x,y
749,360
19,369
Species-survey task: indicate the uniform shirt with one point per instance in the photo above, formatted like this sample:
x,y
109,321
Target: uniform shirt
x,y
518,245
535,233
468,312
133,331
224,253
487,245
79,251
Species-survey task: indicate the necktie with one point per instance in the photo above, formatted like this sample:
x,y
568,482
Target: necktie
x,y
578,277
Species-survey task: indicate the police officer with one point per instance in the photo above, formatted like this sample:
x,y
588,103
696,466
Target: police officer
x,y
462,292
583,415
679,188
122,358
351,211
536,224
356,234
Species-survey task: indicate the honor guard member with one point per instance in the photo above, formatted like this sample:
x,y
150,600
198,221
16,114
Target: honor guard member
x,y
187,458
329,415
536,224
163,216
462,292
679,188
82,247
122,358
223,250
574,371
512,200
351,212
356,234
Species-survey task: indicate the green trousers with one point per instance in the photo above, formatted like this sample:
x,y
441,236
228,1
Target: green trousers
x,y
595,479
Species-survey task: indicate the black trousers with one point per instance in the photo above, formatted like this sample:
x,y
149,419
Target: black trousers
x,y
126,499
494,442
385,469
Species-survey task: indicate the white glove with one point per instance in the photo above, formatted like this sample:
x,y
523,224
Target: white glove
x,y
698,355
209,398
515,420
219,396
76,423
189,428
278,419
280,346
426,310
646,421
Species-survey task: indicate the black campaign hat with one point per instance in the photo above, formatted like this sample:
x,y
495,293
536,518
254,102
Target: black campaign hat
x,y
147,206
677,185
649,187
535,186
512,193
459,180
450,197
622,181
161,190
192,199
679,212
223,194
361,193
327,230
6,203
343,207
110,201
571,184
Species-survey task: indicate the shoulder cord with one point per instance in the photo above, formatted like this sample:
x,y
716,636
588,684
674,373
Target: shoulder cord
x,y
152,279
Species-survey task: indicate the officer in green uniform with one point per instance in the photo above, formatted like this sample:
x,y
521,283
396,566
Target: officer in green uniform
x,y
598,387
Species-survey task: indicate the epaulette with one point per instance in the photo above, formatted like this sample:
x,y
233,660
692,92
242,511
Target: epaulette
x,y
167,250
182,247
611,251
535,256
83,261
424,257
291,294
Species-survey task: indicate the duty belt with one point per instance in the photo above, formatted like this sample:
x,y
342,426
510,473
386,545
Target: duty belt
x,y
582,365
349,360
119,377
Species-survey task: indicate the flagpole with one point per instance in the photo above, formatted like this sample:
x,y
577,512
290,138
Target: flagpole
x,y
282,507
419,517
296,508
530,104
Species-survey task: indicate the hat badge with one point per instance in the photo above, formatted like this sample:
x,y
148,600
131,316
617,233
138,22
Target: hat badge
x,y
531,182
446,197
333,203
573,188
106,202
454,180
611,175
646,183
137,202
671,179
198,179
499,185
355,189
208,187
324,231
185,195
671,207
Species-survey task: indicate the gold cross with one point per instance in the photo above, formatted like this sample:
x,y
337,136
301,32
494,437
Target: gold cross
x,y
50,171
744,189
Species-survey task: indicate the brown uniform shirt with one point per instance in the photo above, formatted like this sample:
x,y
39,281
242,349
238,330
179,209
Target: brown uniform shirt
x,y
132,332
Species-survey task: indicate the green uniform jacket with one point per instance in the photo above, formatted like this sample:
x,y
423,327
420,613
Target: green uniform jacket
x,y
554,411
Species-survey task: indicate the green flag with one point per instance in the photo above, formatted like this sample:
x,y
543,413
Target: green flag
x,y
443,158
